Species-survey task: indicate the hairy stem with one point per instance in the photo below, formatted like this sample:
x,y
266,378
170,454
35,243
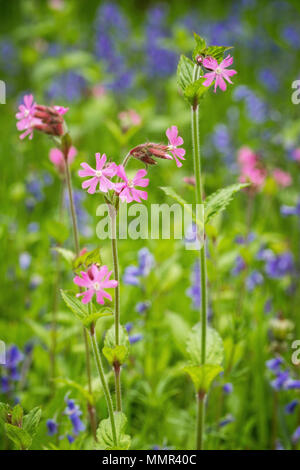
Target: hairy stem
x,y
200,420
114,246
91,409
104,384
202,252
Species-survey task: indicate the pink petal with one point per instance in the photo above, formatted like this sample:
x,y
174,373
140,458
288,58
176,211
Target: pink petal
x,y
105,184
56,156
103,271
72,154
91,184
209,78
28,99
210,63
226,62
125,195
220,82
81,282
172,134
88,171
100,161
121,173
87,296
180,153
111,170
137,194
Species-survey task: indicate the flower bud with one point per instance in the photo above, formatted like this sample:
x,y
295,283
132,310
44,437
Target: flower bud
x,y
51,120
146,152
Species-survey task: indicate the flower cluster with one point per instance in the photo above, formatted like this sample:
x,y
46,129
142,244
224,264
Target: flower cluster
x,y
251,169
124,187
74,413
13,358
46,119
133,274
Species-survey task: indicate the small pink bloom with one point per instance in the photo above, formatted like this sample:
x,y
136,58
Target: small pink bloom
x,y
126,190
128,119
174,142
57,158
95,281
61,110
255,176
219,72
282,177
25,116
99,176
246,157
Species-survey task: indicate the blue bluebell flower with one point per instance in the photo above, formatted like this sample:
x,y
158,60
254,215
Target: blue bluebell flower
x,y
280,265
142,307
274,364
33,227
290,407
135,338
296,436
194,292
133,273
70,438
269,79
73,412
292,384
280,381
25,260
229,419
240,265
52,427
291,35
253,280
228,388
290,210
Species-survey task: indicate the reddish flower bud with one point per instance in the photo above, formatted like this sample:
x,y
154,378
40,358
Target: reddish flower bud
x,y
51,119
145,152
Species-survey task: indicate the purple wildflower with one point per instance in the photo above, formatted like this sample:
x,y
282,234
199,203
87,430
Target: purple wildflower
x,y
240,265
279,266
52,427
290,407
253,280
194,292
228,388
73,412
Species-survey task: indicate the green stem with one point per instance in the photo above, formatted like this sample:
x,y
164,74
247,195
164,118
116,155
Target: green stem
x,y
104,384
91,409
202,252
200,420
114,245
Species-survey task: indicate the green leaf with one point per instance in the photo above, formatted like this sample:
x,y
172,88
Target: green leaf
x,y
32,420
110,341
117,354
105,435
195,91
200,46
57,230
17,416
75,305
68,255
219,200
4,412
93,317
185,72
171,193
88,258
214,346
217,52
202,376
19,436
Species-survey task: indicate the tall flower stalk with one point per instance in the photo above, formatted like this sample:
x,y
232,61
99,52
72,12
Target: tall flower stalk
x,y
194,86
202,256
91,409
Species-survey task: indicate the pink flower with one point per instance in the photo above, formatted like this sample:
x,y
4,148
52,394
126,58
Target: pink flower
x,y
282,177
128,119
174,142
57,158
246,157
61,110
253,175
100,175
25,116
126,190
219,72
95,281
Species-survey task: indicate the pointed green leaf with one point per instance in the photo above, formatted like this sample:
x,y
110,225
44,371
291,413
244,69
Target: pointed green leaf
x,y
85,260
202,376
20,437
75,305
31,421
214,346
94,317
110,341
17,416
185,72
219,200
105,435
188,207
117,354
217,52
4,412
200,46
195,91
68,255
